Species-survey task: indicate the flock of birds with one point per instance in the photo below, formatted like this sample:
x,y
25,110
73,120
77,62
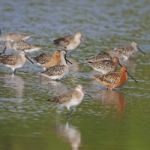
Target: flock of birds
x,y
55,66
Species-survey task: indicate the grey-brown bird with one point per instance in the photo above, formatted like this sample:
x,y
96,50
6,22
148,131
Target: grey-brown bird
x,y
99,57
124,53
69,43
14,61
71,98
105,66
22,46
14,37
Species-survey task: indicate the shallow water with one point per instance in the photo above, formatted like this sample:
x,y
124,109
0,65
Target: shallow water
x,y
109,120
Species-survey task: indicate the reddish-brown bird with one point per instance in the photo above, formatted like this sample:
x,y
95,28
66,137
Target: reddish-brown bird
x,y
114,79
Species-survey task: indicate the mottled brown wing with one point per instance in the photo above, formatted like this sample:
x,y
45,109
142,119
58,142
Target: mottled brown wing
x,y
112,78
8,59
63,41
63,98
103,56
23,45
42,58
55,70
100,57
105,64
124,50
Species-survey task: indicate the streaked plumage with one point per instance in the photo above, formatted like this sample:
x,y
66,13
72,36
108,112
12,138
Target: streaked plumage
x,y
22,46
47,61
71,98
105,66
14,37
114,79
59,71
124,53
99,57
13,61
69,42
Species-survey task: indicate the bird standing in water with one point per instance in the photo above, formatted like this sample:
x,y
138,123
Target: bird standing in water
x,y
113,79
59,71
14,61
69,43
71,98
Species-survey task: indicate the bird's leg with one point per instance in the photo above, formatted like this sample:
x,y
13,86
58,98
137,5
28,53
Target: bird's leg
x,y
69,114
3,52
67,59
14,71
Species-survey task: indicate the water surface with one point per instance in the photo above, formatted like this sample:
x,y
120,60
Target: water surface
x,y
111,119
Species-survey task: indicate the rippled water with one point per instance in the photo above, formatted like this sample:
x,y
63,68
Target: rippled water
x,y
111,119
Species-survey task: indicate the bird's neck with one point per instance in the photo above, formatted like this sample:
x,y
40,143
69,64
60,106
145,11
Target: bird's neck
x,y
123,77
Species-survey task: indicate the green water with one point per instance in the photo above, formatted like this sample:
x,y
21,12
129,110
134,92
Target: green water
x,y
117,120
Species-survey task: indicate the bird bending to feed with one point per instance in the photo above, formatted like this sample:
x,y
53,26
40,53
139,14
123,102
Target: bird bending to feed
x,y
105,66
59,71
126,52
69,42
99,57
14,37
22,46
71,98
14,61
47,61
113,79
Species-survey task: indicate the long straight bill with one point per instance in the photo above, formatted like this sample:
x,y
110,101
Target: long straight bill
x,y
141,50
3,52
29,59
129,74
132,77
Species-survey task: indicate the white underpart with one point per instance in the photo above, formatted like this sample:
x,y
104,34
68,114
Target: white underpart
x,y
75,43
75,100
32,49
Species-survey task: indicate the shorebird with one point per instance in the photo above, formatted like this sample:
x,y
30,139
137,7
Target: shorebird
x,y
22,46
99,57
105,66
14,61
69,43
47,61
14,37
59,71
71,98
113,79
124,53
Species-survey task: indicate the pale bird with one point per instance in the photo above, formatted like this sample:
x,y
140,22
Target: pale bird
x,y
22,46
69,43
70,99
14,37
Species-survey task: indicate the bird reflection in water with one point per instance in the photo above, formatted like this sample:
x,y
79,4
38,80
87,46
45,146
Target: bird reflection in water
x,y
112,99
70,134
16,83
